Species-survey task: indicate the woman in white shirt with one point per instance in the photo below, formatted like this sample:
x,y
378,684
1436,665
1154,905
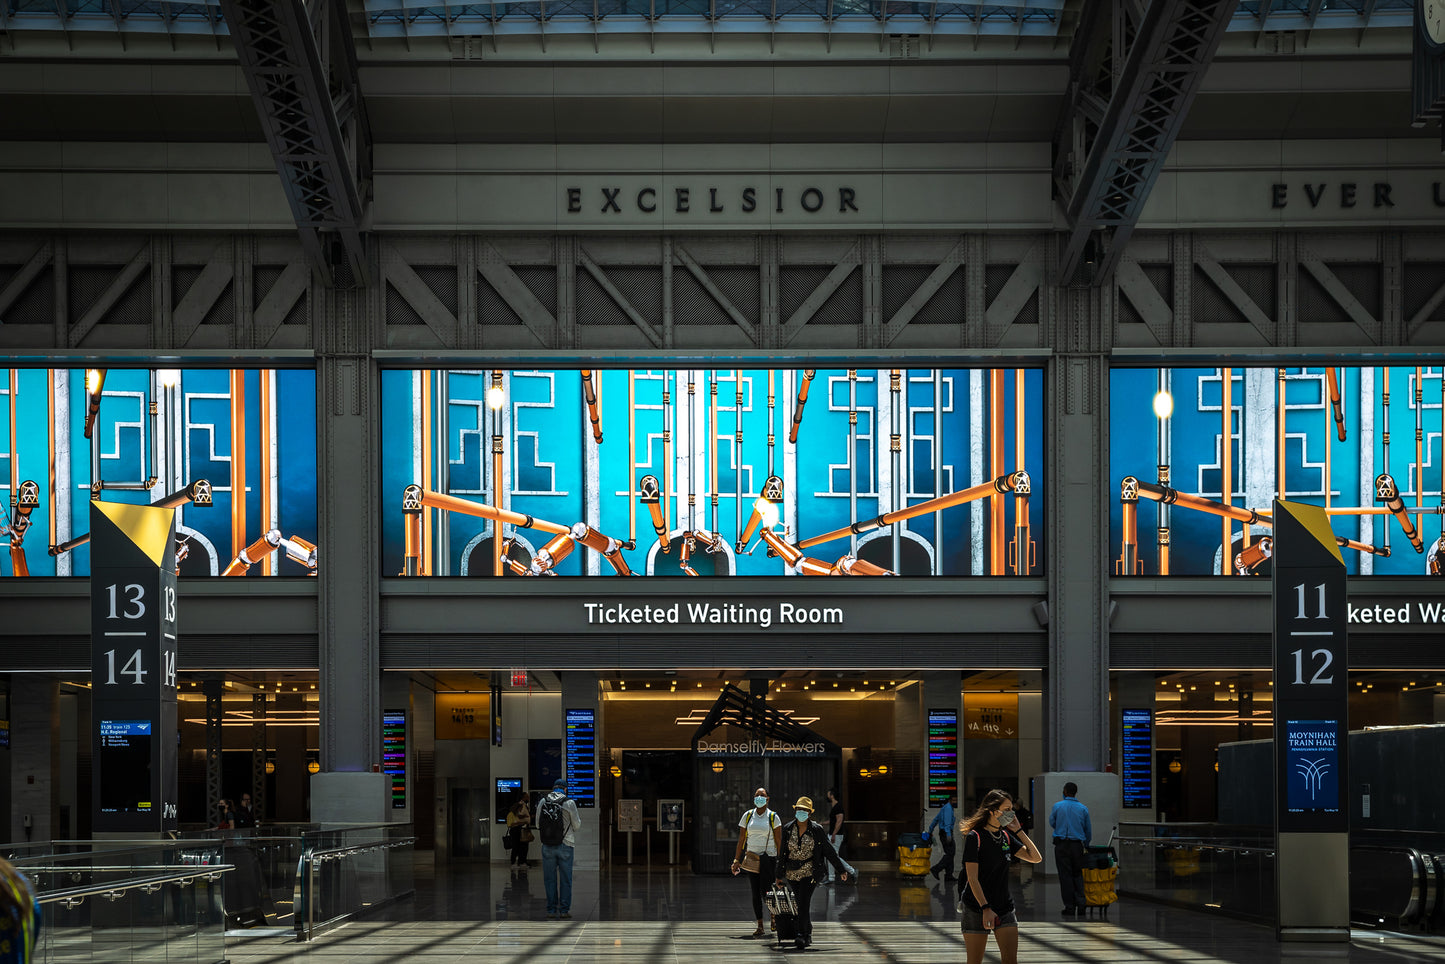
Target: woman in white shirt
x,y
760,832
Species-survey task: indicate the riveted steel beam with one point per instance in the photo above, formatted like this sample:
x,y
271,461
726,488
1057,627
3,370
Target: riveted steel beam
x,y
300,66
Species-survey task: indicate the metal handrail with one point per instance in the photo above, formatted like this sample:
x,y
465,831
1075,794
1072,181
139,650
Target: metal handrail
x,y
72,897
1190,843
307,867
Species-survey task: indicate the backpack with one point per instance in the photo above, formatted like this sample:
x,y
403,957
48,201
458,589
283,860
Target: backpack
x,y
552,822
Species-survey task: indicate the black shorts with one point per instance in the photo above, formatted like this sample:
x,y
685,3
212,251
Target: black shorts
x,y
973,920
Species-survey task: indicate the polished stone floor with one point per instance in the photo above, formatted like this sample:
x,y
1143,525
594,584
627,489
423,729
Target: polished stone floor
x,y
477,913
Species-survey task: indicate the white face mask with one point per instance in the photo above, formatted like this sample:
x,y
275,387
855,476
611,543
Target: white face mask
x,y
760,801
802,815
1006,818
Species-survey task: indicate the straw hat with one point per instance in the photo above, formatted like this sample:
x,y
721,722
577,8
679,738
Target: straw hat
x,y
804,803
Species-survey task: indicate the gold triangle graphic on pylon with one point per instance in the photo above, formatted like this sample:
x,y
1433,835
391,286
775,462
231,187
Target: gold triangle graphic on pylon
x,y
148,526
1313,518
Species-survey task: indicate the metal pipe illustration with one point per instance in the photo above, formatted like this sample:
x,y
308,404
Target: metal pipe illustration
x,y
267,460
1017,483
631,454
94,389
1226,478
802,400
711,542
494,400
14,460
937,449
853,566
1254,555
1388,492
50,431
299,550
895,454
428,448
1419,445
1329,475
652,498
589,392
27,497
1385,434
519,568
610,548
667,415
772,495
238,460
1343,543
1128,562
198,492
253,553
1337,403
1163,457
738,452
853,448
411,529
547,557
694,470
1023,546
415,498
997,539
712,446
1166,495
781,547
771,437
1279,436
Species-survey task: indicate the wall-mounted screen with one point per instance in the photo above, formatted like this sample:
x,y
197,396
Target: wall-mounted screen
x,y
234,451
1137,763
712,472
1197,456
125,765
508,790
1312,769
393,755
942,756
581,757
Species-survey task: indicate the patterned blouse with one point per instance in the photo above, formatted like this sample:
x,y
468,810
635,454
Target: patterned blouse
x,y
800,847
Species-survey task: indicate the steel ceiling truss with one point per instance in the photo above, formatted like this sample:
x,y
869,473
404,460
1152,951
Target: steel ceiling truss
x,y
1134,72
300,65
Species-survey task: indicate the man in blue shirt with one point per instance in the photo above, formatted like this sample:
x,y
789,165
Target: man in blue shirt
x,y
1072,832
944,820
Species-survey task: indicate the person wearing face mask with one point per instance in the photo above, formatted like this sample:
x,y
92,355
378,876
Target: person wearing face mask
x,y
991,838
760,834
805,855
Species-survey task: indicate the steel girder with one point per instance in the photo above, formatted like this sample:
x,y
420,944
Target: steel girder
x,y
1131,84
300,65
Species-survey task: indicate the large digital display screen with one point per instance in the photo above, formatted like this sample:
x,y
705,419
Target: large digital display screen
x,y
942,756
1312,769
234,450
393,755
125,766
1197,456
581,756
712,472
1138,759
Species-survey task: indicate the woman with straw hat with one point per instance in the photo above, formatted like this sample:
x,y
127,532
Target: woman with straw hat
x,y
803,861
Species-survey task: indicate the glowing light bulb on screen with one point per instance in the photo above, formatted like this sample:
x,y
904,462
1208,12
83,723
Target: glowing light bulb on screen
x,y
168,377
767,511
92,380
495,397
1163,405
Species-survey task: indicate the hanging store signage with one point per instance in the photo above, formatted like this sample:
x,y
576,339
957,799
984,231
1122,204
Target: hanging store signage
x,y
133,667
1311,660
581,756
463,716
990,716
1138,759
942,756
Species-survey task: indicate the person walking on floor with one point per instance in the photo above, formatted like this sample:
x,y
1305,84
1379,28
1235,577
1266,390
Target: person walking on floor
x,y
943,820
1072,833
991,839
760,835
805,850
557,822
835,829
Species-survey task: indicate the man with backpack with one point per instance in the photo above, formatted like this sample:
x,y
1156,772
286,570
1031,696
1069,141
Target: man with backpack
x,y
557,822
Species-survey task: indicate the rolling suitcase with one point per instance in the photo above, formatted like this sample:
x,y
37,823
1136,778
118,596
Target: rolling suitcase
x,y
784,907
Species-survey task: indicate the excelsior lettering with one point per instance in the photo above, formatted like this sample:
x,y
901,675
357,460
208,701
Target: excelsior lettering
x,y
811,199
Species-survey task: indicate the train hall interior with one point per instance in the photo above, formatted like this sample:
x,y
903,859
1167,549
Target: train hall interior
x,y
408,404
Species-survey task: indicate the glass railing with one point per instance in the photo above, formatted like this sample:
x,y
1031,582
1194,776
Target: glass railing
x,y
1214,867
345,872
111,902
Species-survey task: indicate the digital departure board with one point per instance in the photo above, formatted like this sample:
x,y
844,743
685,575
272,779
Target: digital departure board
x,y
393,754
504,796
581,757
4,734
125,759
942,756
1312,766
1137,765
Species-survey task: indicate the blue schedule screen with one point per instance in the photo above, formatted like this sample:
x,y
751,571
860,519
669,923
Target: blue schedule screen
x,y
942,756
1312,754
1138,759
581,757
507,791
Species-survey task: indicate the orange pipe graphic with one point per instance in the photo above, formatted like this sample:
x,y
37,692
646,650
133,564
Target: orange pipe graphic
x,y
1226,483
1017,483
651,496
238,460
1336,402
808,375
997,539
589,392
